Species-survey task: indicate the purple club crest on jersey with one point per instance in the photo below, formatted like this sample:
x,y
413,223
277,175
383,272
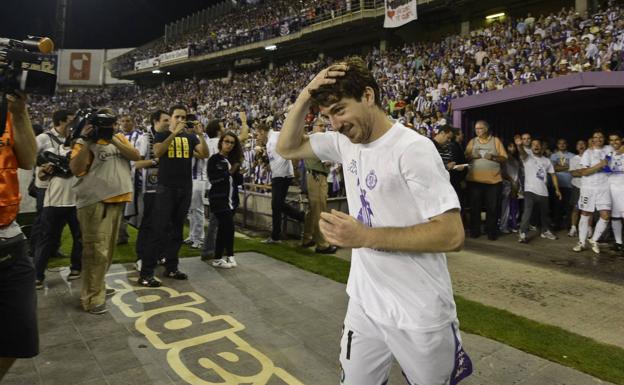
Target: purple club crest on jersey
x,y
371,180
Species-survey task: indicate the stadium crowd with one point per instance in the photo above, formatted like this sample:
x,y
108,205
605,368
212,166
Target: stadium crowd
x,y
245,24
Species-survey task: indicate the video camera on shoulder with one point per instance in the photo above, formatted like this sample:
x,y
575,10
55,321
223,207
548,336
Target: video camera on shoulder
x,y
102,121
26,66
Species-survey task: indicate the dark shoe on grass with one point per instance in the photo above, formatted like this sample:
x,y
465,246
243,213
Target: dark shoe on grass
x,y
326,250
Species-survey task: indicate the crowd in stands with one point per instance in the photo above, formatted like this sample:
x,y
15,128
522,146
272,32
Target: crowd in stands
x,y
418,81
244,24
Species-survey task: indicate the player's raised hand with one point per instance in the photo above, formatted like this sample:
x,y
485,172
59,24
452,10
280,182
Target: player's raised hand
x,y
326,76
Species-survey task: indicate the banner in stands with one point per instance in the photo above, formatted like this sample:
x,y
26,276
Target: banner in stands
x,y
174,55
399,12
146,63
81,67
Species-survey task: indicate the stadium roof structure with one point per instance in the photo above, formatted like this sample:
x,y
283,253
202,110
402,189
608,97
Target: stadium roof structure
x,y
569,106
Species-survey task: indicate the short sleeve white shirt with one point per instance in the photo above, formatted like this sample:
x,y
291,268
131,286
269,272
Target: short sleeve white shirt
x,y
536,169
396,181
592,157
280,167
616,178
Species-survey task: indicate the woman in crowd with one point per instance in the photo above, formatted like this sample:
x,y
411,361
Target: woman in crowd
x,y
223,167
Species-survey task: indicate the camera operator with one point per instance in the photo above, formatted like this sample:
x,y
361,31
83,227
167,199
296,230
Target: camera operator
x,y
175,147
104,186
18,300
59,208
52,140
46,226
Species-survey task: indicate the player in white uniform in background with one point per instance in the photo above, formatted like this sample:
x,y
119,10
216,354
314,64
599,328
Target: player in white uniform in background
x,y
595,194
404,216
616,186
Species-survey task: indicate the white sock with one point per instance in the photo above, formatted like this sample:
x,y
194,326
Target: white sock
x,y
583,228
573,227
616,224
601,226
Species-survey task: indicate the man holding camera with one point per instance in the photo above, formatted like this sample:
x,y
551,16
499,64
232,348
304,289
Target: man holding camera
x,y
175,149
101,161
18,301
52,140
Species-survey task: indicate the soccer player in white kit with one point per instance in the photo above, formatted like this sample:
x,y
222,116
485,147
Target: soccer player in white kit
x,y
595,194
404,216
616,186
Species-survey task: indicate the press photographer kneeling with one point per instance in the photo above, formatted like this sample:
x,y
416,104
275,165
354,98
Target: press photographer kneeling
x,y
101,161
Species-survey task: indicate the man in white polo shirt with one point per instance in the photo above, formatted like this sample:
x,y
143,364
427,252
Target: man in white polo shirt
x,y
282,174
404,216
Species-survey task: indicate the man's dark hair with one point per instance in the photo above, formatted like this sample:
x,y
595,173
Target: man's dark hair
x,y
213,128
446,129
352,85
615,133
177,107
60,116
262,126
155,116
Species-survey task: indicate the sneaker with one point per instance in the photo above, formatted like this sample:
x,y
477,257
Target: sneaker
x,y
532,228
231,261
162,260
270,241
197,245
149,282
137,265
73,274
39,284
99,309
515,230
221,263
594,246
579,247
505,231
522,238
548,235
327,250
176,275
110,292
187,241
572,233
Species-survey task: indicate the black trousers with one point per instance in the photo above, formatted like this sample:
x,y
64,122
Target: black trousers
x,y
225,234
171,206
279,190
53,220
488,195
35,230
18,300
147,228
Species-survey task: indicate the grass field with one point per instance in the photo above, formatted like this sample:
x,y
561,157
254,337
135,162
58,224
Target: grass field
x,y
550,342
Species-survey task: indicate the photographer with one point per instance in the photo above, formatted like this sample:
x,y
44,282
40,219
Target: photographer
x,y
47,226
104,186
51,140
18,301
59,208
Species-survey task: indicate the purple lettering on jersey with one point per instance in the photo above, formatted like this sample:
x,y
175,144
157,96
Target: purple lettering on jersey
x,y
365,215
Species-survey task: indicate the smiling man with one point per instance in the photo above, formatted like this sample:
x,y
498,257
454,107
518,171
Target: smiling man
x,y
404,216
